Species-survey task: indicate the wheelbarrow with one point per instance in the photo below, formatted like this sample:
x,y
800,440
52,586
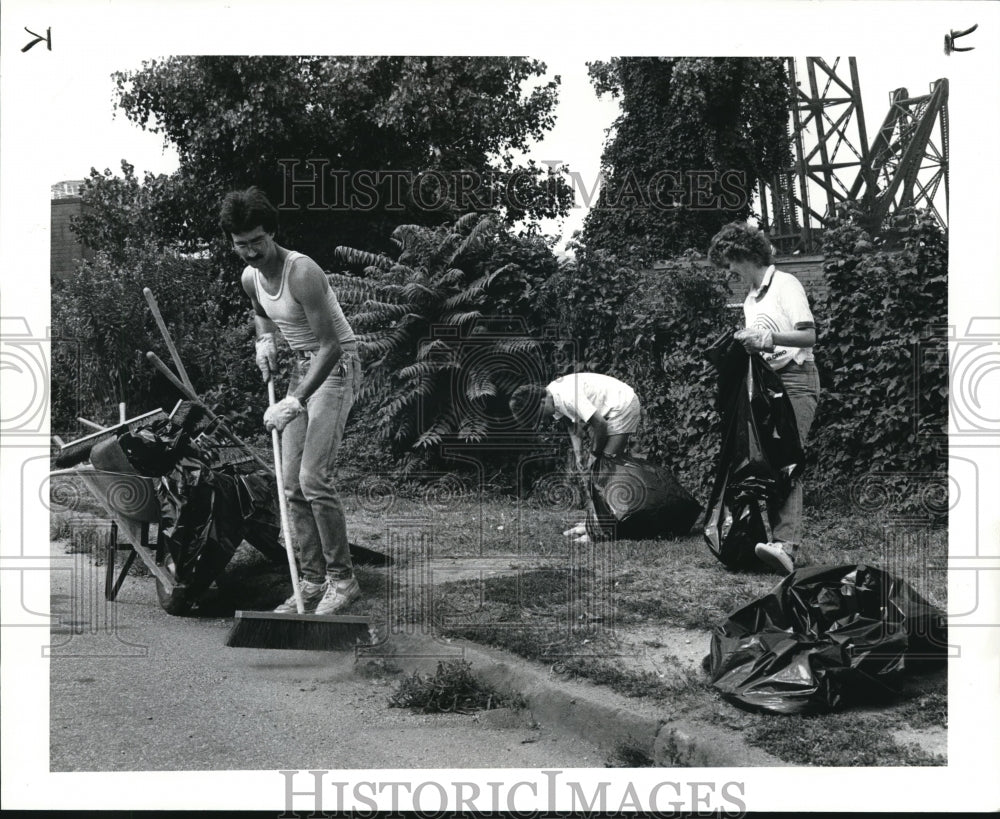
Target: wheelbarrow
x,y
131,503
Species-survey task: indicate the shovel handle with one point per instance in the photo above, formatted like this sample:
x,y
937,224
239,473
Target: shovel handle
x,y
154,308
191,395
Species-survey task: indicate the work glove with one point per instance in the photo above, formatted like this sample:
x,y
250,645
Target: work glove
x,y
756,340
279,415
267,355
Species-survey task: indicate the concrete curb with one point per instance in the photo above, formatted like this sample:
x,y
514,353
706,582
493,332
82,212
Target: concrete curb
x,y
582,709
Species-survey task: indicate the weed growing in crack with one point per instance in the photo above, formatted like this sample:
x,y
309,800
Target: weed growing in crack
x,y
451,689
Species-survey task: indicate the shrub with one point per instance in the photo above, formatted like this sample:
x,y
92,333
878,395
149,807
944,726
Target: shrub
x,y
648,328
445,332
672,315
883,406
102,328
583,299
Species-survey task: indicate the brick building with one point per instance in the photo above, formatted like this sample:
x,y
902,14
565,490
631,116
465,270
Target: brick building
x,y
66,248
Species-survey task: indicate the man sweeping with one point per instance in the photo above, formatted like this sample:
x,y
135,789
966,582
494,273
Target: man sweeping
x,y
290,294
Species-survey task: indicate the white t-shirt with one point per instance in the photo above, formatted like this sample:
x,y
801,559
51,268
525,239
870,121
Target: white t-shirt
x,y
780,305
579,395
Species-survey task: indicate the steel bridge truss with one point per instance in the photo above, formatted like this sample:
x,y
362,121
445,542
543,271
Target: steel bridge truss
x,y
833,162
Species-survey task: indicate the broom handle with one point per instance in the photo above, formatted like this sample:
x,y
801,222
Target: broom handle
x,y
286,530
151,300
190,394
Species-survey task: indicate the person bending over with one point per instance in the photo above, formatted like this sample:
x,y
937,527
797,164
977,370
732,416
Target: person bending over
x,y
589,405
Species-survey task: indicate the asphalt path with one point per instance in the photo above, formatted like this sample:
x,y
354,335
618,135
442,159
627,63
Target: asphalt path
x,y
135,689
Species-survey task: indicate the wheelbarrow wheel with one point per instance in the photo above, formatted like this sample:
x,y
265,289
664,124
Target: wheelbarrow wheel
x,y
176,602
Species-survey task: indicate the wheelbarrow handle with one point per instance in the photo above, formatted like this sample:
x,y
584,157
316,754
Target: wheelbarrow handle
x,y
189,393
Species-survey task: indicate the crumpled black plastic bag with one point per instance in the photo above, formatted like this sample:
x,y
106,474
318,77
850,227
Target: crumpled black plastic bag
x,y
759,457
824,636
207,507
635,499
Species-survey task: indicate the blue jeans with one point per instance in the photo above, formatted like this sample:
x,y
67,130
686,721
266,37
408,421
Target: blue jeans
x,y
309,446
802,386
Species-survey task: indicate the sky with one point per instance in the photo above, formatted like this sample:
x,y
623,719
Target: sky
x,y
104,137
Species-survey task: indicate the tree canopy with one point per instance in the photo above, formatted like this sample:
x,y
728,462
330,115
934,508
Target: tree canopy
x,y
694,138
348,148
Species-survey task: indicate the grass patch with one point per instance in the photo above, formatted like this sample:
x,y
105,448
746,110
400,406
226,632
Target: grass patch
x,y
553,614
837,740
69,495
629,755
666,686
452,688
585,652
538,587
530,590
859,735
927,710
60,526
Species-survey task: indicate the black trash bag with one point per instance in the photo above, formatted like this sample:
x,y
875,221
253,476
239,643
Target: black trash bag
x,y
155,449
207,507
261,518
760,454
634,499
823,637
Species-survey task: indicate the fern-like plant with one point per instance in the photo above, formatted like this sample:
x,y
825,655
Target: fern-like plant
x,y
441,352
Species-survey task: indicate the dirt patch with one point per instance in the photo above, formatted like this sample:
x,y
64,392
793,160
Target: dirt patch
x,y
932,740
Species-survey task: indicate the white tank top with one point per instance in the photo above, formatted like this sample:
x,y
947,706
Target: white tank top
x,y
288,314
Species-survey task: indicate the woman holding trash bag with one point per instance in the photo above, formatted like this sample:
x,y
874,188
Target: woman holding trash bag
x,y
779,326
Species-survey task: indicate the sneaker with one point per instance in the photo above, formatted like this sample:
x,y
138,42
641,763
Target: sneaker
x,y
339,595
782,557
583,540
311,592
577,530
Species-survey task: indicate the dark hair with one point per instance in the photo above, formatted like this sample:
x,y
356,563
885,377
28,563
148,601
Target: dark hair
x,y
526,404
242,211
740,242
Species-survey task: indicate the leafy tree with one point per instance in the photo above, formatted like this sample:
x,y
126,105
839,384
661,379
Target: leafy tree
x,y
585,298
275,121
443,330
694,138
102,328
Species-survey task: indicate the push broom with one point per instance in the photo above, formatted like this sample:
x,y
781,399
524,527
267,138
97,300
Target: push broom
x,y
268,629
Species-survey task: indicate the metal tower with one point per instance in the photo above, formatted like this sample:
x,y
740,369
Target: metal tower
x,y
833,163
909,158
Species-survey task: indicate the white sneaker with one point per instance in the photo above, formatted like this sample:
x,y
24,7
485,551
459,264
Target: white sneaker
x,y
339,595
779,556
576,530
311,593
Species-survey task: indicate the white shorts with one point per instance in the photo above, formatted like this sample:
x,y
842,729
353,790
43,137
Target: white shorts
x,y
626,421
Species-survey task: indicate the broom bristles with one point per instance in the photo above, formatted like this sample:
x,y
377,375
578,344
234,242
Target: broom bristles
x,y
310,632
